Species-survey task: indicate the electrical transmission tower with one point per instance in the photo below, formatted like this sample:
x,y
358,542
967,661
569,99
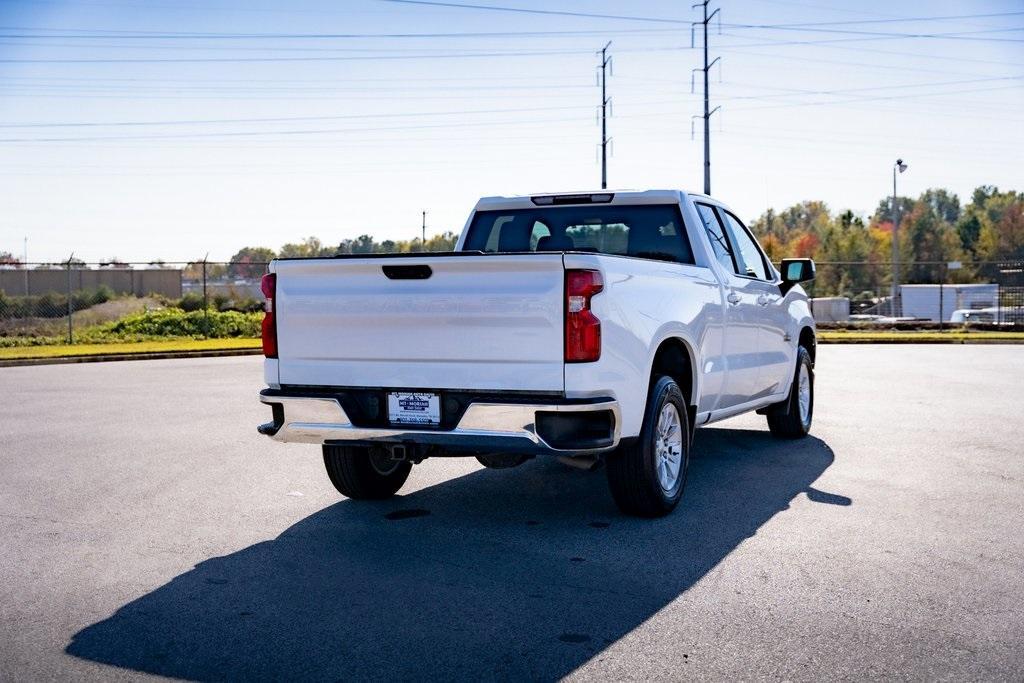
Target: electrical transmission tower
x,y
605,71
707,98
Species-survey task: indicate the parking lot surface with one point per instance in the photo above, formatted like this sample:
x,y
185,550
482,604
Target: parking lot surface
x,y
147,529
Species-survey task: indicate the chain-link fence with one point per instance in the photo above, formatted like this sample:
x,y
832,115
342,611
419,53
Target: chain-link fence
x,y
73,301
940,292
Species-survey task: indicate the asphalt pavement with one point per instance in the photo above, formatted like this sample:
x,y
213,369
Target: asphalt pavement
x,y
147,529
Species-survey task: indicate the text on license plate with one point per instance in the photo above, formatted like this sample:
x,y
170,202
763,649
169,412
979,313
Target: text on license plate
x,y
414,408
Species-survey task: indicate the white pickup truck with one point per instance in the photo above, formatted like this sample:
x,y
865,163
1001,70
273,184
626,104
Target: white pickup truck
x,y
596,327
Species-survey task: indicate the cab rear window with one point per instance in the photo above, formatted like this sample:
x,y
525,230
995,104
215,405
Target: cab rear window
x,y
646,231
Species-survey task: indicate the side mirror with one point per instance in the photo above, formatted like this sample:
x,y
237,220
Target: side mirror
x,y
795,271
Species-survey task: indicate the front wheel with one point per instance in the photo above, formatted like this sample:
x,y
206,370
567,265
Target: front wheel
x,y
791,419
365,473
647,476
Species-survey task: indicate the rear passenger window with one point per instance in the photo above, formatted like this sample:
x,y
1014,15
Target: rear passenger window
x,y
719,243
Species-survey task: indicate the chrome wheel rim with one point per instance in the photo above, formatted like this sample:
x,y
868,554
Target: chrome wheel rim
x,y
668,447
804,394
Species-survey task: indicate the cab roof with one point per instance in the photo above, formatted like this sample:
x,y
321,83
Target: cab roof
x,y
609,197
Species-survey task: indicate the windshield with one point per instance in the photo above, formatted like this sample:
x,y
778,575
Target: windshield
x,y
646,231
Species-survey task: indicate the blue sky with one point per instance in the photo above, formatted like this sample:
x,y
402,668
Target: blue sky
x,y
147,130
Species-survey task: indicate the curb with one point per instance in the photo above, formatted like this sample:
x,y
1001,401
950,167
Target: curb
x,y
920,341
108,357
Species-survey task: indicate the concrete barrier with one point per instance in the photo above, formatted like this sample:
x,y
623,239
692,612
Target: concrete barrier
x,y
122,280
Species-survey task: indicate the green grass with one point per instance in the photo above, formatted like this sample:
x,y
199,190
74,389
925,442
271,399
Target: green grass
x,y
170,345
958,336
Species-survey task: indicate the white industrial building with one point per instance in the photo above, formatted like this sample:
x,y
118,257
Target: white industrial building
x,y
937,302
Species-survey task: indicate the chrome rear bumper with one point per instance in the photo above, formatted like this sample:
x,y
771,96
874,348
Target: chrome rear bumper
x,y
487,427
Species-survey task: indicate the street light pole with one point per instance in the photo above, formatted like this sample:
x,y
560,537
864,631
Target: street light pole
x,y
894,294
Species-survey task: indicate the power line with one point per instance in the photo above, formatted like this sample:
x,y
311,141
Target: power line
x,y
888,20
80,34
346,58
523,53
523,10
843,62
951,35
900,96
795,92
829,44
375,79
476,91
812,27
300,132
591,15
283,119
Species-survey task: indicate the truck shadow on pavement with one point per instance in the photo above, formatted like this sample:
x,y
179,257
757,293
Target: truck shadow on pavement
x,y
522,573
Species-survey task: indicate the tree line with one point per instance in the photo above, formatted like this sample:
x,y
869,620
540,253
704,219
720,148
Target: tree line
x,y
934,229
249,261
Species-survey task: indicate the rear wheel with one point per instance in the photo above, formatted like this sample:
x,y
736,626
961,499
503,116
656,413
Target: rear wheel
x,y
647,477
365,473
791,419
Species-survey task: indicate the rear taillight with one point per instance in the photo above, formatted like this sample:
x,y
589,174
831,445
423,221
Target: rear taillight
x,y
582,328
269,287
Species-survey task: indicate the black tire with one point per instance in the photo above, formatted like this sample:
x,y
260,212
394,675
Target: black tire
x,y
633,475
785,419
364,473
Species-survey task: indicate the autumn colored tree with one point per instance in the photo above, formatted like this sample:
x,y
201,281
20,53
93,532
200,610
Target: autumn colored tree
x,y
1001,219
249,262
308,248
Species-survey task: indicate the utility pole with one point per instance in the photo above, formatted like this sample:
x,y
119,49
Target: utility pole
x,y
206,298
895,293
605,100
423,244
707,98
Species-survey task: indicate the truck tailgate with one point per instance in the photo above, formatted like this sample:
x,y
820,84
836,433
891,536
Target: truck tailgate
x,y
477,322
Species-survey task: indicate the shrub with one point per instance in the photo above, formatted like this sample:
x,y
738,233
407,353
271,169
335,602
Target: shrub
x,y
241,304
52,304
220,301
249,305
190,302
172,322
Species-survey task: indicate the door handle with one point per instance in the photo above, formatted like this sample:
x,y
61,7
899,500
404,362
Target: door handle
x,y
762,300
733,298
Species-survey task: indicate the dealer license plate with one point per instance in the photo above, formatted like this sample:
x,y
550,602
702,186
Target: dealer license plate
x,y
415,408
